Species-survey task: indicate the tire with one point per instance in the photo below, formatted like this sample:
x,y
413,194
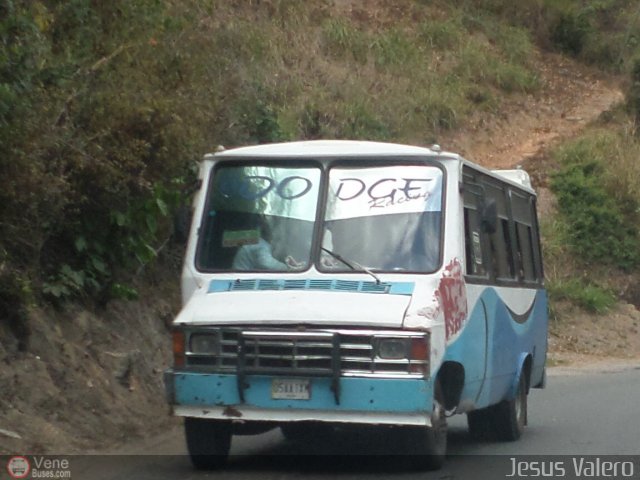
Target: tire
x,y
428,447
481,424
208,442
510,416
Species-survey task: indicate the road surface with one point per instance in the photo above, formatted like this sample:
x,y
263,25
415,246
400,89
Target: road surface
x,y
581,413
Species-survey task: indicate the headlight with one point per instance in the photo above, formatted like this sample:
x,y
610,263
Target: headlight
x,y
203,343
393,348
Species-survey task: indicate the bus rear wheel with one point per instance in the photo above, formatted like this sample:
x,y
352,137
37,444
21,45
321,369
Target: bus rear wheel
x,y
208,442
480,423
510,416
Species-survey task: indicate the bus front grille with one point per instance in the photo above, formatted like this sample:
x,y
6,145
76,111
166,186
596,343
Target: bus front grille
x,y
316,353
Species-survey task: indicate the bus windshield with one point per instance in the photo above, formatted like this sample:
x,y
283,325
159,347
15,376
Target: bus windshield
x,y
259,218
383,219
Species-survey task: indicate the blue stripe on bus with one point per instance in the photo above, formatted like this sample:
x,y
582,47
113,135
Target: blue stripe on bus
x,y
335,285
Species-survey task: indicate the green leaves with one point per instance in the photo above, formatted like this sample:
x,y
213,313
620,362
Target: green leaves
x,y
130,238
602,224
590,297
81,244
70,283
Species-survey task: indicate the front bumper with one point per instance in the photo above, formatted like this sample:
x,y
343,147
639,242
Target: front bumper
x,y
378,401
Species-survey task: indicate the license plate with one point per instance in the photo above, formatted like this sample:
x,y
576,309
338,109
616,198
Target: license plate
x,y
290,389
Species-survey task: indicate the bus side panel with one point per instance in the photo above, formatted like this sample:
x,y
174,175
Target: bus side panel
x,y
513,332
506,333
541,319
470,350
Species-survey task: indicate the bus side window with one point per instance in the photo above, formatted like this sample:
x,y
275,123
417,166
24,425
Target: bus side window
x,y
473,243
510,255
506,266
525,246
524,218
502,258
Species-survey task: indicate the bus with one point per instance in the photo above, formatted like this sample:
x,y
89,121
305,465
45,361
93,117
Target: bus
x,y
342,283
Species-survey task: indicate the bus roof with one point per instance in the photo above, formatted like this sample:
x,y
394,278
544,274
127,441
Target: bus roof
x,y
361,148
517,175
321,148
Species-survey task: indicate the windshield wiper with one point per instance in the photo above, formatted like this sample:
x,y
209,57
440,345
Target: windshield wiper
x,y
353,265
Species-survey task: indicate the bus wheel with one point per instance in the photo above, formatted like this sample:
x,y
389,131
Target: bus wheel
x,y
480,423
208,442
429,445
510,416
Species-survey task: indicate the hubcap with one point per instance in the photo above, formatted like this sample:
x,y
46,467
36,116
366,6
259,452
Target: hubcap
x,y
519,406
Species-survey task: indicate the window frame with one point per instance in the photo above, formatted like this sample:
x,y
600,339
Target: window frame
x,y
476,179
324,163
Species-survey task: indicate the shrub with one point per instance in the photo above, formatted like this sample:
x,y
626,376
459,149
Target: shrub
x,y
260,122
86,135
601,226
359,122
633,93
439,113
570,31
515,43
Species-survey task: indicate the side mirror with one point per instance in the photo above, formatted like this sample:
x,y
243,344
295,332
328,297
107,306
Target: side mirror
x,y
182,224
489,217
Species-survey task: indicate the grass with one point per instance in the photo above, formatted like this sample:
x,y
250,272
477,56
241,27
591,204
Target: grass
x,y
592,298
594,234
444,35
396,49
556,362
600,32
343,41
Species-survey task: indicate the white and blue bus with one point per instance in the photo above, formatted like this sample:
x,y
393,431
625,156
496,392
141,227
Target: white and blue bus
x,y
336,283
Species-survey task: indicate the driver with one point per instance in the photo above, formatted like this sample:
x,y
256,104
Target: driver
x,y
259,256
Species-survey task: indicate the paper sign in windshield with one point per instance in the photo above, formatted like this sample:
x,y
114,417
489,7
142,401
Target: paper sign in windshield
x,y
286,192
383,191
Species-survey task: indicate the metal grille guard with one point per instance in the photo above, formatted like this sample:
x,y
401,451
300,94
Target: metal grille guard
x,y
245,368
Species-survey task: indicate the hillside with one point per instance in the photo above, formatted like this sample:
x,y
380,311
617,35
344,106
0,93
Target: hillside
x,y
105,109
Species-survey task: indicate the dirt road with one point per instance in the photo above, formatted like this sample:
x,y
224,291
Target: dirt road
x,y
571,96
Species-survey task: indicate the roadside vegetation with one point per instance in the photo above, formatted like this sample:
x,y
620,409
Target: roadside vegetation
x,y
106,106
593,241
